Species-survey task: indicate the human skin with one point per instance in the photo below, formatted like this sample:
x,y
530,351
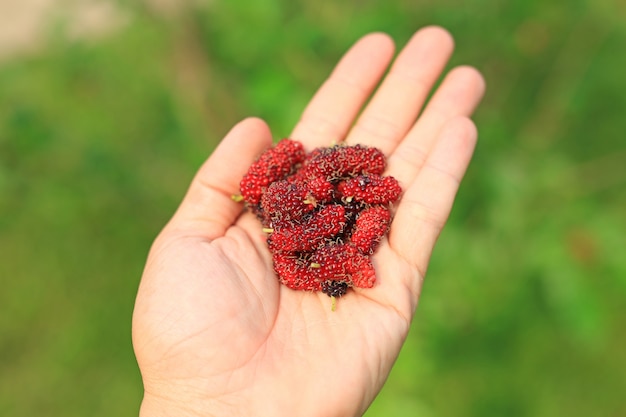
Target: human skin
x,y
214,332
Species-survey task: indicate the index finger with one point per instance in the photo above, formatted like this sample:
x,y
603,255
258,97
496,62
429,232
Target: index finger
x,y
332,110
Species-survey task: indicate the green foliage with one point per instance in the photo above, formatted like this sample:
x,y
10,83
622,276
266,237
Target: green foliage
x,y
522,310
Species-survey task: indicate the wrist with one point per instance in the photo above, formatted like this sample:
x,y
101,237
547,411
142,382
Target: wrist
x,y
159,406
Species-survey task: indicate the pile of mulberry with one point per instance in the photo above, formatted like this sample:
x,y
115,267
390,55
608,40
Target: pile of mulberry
x,y
325,213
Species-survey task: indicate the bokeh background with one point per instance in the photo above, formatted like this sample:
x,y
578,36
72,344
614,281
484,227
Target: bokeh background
x,y
108,108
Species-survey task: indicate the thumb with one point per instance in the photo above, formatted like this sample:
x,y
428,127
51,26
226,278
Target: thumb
x,y
208,209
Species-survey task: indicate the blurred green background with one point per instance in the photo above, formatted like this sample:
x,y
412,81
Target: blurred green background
x,y
523,310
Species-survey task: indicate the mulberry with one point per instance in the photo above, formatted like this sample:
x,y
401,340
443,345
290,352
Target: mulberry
x,y
370,189
340,162
274,164
308,235
370,227
326,213
295,272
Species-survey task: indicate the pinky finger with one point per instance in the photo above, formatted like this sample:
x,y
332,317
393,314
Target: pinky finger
x,y
427,202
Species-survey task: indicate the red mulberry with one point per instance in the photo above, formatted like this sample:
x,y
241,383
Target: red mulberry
x,y
370,189
308,235
326,213
340,162
343,262
370,227
285,202
274,164
295,273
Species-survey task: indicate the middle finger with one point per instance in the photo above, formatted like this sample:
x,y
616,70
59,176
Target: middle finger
x,y
395,106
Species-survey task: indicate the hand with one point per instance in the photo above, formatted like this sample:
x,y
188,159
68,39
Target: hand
x,y
213,330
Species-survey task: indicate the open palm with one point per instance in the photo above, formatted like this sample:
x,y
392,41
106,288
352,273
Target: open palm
x,y
213,330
